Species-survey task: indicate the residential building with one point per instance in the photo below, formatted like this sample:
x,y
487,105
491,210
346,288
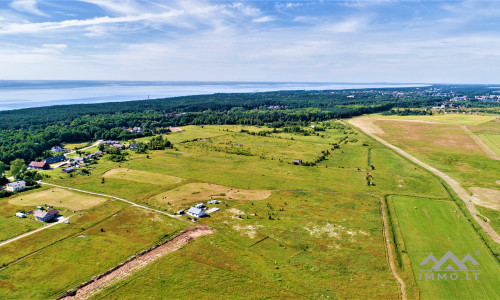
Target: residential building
x,y
16,186
55,159
39,165
196,212
46,216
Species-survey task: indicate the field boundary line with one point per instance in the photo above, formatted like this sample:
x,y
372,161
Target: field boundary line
x,y
61,220
487,150
389,250
457,188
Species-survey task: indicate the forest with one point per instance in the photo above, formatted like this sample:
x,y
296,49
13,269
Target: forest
x,y
29,133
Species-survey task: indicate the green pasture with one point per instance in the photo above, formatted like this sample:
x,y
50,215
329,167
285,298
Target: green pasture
x,y
436,226
315,245
492,140
52,271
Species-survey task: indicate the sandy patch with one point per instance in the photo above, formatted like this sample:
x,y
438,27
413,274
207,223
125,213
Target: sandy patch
x,y
201,191
58,197
141,176
486,197
367,124
335,231
250,230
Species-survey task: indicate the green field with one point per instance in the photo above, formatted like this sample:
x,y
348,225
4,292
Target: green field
x,y
492,140
435,226
91,252
283,230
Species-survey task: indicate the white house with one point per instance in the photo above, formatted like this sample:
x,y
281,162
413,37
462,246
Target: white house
x,y
16,186
196,212
20,215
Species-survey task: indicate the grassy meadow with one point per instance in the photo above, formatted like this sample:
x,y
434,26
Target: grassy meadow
x,y
438,226
283,230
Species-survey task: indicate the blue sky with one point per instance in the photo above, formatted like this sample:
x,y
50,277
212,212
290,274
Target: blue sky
x,y
327,41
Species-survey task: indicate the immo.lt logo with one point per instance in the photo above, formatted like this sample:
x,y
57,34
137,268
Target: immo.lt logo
x,y
449,267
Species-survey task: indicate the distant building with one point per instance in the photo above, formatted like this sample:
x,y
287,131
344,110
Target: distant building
x,y
100,153
39,165
297,161
201,205
16,186
117,145
110,142
196,212
20,215
68,170
46,216
55,159
133,146
212,202
57,149
180,212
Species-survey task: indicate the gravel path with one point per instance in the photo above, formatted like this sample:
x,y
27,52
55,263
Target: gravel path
x,y
459,190
59,220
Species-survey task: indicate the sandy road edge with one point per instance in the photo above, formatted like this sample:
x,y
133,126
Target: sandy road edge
x,y
134,264
487,150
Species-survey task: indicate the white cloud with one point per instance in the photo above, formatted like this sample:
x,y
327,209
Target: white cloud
x,y
27,6
263,19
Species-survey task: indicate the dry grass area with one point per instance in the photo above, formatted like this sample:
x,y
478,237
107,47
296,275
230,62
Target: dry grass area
x,y
201,191
142,176
57,197
367,124
486,197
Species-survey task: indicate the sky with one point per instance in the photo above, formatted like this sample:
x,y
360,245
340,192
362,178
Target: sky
x,y
300,41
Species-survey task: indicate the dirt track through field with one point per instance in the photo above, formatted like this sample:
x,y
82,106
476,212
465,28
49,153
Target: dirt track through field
x,y
459,190
131,267
389,252
491,154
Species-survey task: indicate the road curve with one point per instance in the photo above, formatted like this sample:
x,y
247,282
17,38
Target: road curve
x,y
459,190
109,196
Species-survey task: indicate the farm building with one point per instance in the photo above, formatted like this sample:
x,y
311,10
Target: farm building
x,y
201,205
213,202
133,146
55,159
100,153
213,209
297,161
120,146
46,216
39,165
68,170
180,212
196,212
20,215
78,160
16,186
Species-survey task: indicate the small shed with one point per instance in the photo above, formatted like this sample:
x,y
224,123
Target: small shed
x,y
180,212
20,215
201,205
196,212
297,161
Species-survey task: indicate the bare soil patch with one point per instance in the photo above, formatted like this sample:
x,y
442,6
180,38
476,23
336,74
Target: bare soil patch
x,y
486,197
136,263
201,191
367,124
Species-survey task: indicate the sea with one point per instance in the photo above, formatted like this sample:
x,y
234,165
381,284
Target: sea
x,y
17,94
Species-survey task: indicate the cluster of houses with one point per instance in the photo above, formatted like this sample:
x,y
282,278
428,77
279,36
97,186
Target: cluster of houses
x,y
132,130
77,161
199,210
45,164
42,214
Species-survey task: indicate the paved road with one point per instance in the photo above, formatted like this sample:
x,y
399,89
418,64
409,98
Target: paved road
x,y
60,220
459,190
109,196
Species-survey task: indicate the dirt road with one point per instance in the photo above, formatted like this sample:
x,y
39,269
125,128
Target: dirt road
x,y
389,252
59,220
109,196
459,190
491,154
127,269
